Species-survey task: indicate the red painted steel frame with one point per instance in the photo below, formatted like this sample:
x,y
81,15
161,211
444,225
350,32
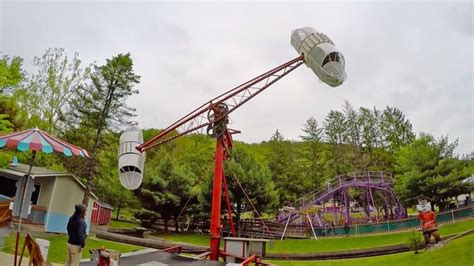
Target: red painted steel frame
x,y
173,249
198,120
216,199
234,98
248,260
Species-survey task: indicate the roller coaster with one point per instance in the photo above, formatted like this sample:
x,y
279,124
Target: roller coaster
x,y
352,198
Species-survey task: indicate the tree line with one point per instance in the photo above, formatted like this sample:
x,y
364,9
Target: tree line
x,y
87,105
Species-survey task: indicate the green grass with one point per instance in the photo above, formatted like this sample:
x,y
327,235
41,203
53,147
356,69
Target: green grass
x,y
358,242
58,243
125,213
458,253
200,240
122,224
326,245
193,239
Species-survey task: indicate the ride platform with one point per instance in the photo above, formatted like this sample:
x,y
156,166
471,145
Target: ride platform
x,y
150,257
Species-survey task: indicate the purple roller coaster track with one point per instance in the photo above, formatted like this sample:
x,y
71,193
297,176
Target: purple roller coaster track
x,y
356,197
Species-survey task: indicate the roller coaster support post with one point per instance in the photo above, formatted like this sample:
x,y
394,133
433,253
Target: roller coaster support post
x,y
312,227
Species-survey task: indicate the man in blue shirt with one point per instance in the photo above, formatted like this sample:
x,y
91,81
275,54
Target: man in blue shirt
x,y
76,229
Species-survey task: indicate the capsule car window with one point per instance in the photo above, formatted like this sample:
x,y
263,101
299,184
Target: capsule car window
x,y
334,56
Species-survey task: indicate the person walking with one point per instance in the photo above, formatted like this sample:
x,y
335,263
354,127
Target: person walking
x,y
76,229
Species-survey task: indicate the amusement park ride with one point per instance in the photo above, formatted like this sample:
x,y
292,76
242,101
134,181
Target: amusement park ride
x,y
330,205
315,49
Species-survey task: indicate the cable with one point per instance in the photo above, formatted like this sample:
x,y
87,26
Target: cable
x,y
182,210
199,182
255,210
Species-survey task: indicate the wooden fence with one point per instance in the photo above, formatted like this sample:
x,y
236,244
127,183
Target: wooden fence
x,y
5,213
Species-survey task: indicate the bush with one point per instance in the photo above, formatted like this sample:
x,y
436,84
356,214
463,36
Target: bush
x,y
147,218
415,241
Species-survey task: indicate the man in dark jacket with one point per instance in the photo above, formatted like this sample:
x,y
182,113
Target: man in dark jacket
x,y
76,229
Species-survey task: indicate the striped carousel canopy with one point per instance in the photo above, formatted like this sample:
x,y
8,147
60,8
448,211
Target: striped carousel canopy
x,y
37,140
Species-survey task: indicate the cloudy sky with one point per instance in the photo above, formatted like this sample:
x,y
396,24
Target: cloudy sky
x,y
417,57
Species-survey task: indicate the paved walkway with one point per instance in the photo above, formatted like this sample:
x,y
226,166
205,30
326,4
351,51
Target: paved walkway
x,y
7,259
153,257
4,231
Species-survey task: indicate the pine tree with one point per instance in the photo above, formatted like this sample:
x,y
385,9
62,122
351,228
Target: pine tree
x,y
101,106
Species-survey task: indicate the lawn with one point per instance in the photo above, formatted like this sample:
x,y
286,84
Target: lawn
x,y
323,245
123,224
358,242
125,213
200,240
458,253
57,248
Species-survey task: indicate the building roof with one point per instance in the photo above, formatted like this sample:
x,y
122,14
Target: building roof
x,y
105,205
36,171
21,170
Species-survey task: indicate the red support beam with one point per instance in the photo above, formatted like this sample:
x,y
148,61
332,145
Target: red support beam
x,y
174,249
203,255
216,200
198,120
248,260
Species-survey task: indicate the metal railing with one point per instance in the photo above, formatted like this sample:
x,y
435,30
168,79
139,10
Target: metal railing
x,y
253,227
37,215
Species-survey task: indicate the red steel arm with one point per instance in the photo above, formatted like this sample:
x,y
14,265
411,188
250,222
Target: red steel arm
x,y
198,119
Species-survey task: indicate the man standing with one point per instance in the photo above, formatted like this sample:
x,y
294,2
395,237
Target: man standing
x,y
76,229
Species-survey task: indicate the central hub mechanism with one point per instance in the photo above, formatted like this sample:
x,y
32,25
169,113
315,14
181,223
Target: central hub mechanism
x,y
217,115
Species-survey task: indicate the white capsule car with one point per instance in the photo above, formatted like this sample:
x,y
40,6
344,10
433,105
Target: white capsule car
x,y
320,55
130,160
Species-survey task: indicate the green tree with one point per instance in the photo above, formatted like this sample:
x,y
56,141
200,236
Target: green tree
x,y
279,161
313,150
368,137
375,155
5,125
47,94
368,128
101,106
195,154
352,137
11,112
165,189
334,132
395,128
427,167
11,73
286,171
112,192
253,177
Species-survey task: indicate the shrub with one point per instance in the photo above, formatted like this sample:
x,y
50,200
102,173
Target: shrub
x,y
147,218
415,241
